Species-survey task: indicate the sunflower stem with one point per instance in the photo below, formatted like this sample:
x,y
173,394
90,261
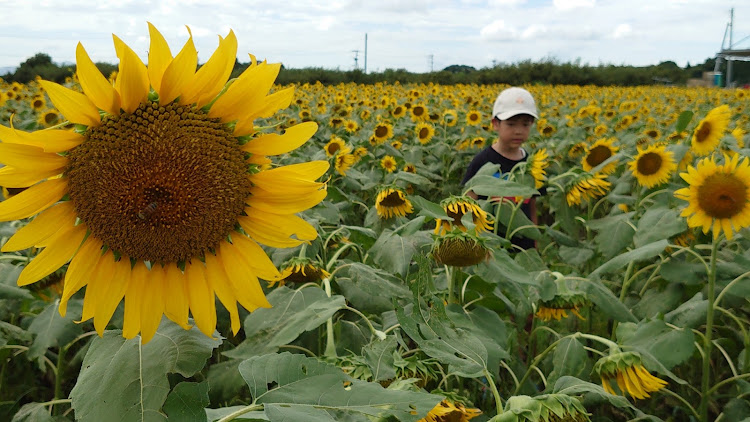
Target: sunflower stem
x,y
330,341
707,343
495,393
246,409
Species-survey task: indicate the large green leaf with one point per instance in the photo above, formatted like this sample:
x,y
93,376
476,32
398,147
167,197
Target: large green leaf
x,y
393,252
683,120
370,289
606,301
575,255
644,252
124,380
379,357
614,234
669,346
658,223
33,412
187,401
437,336
493,186
657,301
296,387
690,314
292,313
573,386
570,358
519,219
429,209
52,330
8,277
216,414
487,326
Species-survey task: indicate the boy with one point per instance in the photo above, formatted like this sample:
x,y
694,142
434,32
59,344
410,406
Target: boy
x,y
513,115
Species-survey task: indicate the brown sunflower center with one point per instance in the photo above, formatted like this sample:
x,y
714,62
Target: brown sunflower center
x,y
598,154
722,195
703,132
332,148
381,131
393,200
649,163
424,133
418,111
162,184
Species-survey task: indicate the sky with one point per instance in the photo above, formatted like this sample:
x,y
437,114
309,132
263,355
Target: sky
x,y
416,35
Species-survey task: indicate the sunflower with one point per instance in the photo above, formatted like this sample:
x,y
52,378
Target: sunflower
x,y
48,118
360,152
419,113
383,132
653,134
739,135
718,195
397,144
450,118
424,132
304,114
558,307
547,130
456,207
473,118
334,145
632,378
459,249
351,126
537,164
577,150
653,166
598,153
586,186
156,185
344,161
300,270
709,131
410,168
388,163
447,411
392,202
544,408
600,130
38,103
478,142
398,112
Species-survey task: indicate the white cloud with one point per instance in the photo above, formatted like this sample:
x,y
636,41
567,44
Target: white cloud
x,y
622,30
326,22
573,4
498,31
506,3
533,32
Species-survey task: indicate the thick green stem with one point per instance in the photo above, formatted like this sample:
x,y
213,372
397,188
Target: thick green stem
x,y
707,343
330,341
493,387
246,409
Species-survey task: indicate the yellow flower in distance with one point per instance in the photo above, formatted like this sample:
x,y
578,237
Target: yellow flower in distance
x,y
388,163
708,133
598,153
392,202
164,195
424,132
653,166
383,131
334,146
718,195
537,165
585,187
300,270
627,370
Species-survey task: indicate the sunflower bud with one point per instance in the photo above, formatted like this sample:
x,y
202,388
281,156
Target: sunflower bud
x,y
545,408
459,249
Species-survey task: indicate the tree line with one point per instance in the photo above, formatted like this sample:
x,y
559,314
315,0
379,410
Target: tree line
x,y
548,71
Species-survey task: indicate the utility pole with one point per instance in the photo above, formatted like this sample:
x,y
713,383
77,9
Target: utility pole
x,y
431,58
356,58
730,63
365,52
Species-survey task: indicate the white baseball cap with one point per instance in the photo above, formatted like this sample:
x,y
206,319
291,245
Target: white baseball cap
x,y
514,101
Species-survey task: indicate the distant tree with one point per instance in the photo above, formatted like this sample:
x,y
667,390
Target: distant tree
x,y
459,68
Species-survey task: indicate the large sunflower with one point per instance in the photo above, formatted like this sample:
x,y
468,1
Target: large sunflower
x,y
718,195
165,190
424,132
709,131
653,165
392,202
598,153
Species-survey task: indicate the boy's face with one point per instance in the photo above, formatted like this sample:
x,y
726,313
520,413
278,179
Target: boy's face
x,y
513,132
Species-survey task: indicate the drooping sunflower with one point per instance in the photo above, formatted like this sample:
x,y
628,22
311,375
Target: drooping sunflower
x,y
653,165
459,249
334,146
718,195
164,194
448,411
410,168
708,133
586,186
388,163
473,118
392,202
577,150
300,270
424,132
631,377
544,408
598,153
383,131
537,163
456,207
739,136
344,161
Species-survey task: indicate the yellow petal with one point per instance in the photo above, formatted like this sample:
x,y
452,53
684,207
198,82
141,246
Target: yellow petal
x,y
307,171
50,140
211,77
278,229
201,297
75,106
132,77
217,279
34,199
177,306
274,144
61,248
114,289
97,285
134,293
11,177
79,270
261,109
152,302
247,250
47,223
97,88
159,57
243,281
179,73
286,204
246,94
30,157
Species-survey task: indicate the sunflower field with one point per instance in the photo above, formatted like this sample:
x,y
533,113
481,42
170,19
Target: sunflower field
x,y
177,245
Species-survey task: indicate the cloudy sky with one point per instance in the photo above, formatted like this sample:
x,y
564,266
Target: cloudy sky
x,y
417,35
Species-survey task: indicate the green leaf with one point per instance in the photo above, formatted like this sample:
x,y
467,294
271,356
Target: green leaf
x,y
683,120
487,326
573,386
617,235
379,357
575,256
124,380
187,401
561,237
292,313
216,414
658,301
606,301
52,330
690,314
393,252
669,346
436,335
413,178
520,219
33,412
658,223
8,277
429,209
569,359
296,387
684,273
644,252
492,186
370,289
